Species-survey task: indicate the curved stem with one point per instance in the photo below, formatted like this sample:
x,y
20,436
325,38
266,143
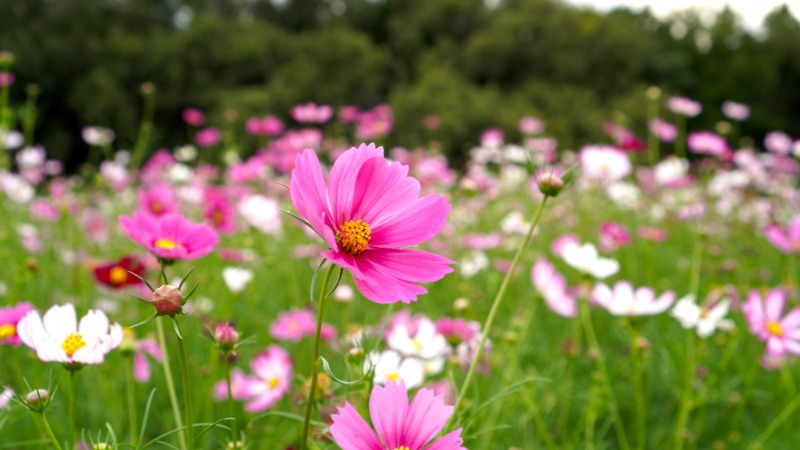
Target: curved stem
x,y
173,399
70,410
619,428
131,401
785,414
487,325
231,410
312,391
49,431
187,393
639,391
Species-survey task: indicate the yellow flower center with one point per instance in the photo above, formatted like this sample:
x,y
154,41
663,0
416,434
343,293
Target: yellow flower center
x,y
72,343
217,217
157,207
354,236
167,244
393,376
272,383
402,447
417,344
8,330
775,329
118,275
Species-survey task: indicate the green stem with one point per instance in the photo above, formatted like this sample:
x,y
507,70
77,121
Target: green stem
x,y
187,393
231,410
785,414
71,410
145,128
312,391
638,389
173,399
605,379
487,325
680,140
131,401
49,431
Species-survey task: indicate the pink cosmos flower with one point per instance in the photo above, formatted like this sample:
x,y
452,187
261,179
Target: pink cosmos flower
x,y
653,234
787,240
298,323
553,288
171,236
369,212
58,337
238,382
9,319
158,200
375,123
272,380
492,138
708,143
665,131
613,236
778,142
684,106
218,211
561,242
141,366
208,137
399,425
624,301
735,111
6,79
530,125
266,126
193,117
311,113
764,320
458,330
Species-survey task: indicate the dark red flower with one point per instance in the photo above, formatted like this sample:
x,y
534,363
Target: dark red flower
x,y
115,274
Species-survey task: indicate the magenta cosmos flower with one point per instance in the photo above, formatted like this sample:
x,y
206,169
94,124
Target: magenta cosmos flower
x,y
9,319
368,213
764,320
399,426
170,236
786,240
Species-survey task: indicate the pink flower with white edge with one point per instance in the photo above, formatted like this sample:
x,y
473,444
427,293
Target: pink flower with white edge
x,y
298,323
9,321
786,239
605,163
59,337
272,380
398,424
684,106
708,143
311,113
778,142
764,320
623,300
368,214
170,237
553,288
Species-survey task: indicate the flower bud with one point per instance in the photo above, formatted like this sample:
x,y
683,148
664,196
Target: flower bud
x,y
147,88
653,92
167,300
550,184
225,336
37,399
6,60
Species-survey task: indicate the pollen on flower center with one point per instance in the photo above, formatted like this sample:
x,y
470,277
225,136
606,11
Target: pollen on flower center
x,y
417,344
118,275
354,236
272,383
167,244
402,447
72,343
775,329
394,376
8,330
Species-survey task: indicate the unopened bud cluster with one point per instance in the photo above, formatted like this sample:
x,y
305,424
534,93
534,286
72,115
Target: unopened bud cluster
x,y
167,300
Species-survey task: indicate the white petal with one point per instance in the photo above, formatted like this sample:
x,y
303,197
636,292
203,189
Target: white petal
x,y
604,268
59,321
93,325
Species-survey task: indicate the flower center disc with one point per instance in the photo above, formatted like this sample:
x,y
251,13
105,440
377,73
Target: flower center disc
x,y
8,331
354,236
402,447
118,275
272,383
775,329
72,343
167,244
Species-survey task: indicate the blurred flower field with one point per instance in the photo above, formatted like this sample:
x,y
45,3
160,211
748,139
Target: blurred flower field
x,y
321,291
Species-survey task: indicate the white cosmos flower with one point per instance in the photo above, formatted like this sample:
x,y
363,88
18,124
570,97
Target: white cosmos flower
x,y
237,278
623,300
262,213
586,259
390,366
60,338
10,140
426,343
472,263
705,320
5,397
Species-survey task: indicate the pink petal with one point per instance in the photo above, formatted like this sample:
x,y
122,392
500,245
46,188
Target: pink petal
x,y
427,416
794,230
141,367
307,189
777,237
753,310
382,191
342,180
421,220
388,407
791,320
451,441
151,348
388,275
775,346
349,430
775,299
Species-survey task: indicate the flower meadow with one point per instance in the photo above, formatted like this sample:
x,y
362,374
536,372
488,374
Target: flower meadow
x,y
322,291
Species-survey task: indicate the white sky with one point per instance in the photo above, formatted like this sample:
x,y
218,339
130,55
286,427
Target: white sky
x,y
752,11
